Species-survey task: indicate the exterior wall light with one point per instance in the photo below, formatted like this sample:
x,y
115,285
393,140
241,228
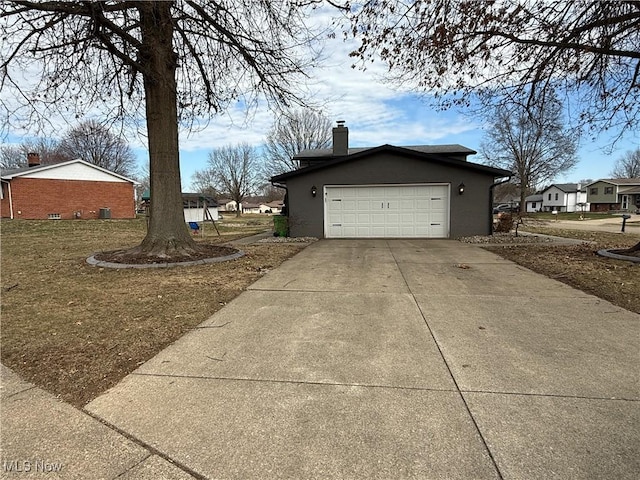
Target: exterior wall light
x,y
461,188
314,191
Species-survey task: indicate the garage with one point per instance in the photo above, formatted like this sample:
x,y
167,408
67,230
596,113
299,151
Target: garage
x,y
419,191
387,211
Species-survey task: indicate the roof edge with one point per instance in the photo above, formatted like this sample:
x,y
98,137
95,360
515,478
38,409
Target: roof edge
x,y
50,166
498,172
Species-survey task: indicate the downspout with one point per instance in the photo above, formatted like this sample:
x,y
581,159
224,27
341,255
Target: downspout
x,y
286,195
491,188
10,200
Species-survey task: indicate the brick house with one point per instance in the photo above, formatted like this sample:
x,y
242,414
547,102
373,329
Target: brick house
x,y
66,190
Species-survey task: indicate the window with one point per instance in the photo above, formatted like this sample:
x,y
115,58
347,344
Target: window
x,y
556,196
608,190
533,204
54,216
549,196
593,191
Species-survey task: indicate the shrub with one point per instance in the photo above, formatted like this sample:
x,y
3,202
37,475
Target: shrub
x,y
504,223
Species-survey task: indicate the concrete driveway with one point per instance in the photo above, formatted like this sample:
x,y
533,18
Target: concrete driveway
x,y
394,359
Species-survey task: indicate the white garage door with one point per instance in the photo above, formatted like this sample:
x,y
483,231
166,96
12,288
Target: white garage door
x,y
387,211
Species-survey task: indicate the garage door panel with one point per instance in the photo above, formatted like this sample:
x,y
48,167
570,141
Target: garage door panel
x,y
378,218
387,211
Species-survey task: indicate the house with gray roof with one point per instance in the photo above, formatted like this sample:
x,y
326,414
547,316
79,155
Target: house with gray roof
x,y
423,191
565,197
614,194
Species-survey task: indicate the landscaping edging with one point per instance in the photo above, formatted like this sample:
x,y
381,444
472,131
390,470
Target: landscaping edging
x,y
99,263
617,256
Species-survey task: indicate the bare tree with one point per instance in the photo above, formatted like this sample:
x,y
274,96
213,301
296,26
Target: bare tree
x,y
271,193
235,171
94,143
181,59
291,133
457,48
11,157
531,141
627,166
15,156
205,181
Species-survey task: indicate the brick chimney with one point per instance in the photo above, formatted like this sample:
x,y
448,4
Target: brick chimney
x,y
340,139
33,159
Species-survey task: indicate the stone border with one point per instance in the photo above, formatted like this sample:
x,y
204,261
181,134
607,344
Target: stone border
x,y
99,263
617,256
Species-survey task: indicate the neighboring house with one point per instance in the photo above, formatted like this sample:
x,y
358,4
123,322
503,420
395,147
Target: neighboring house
x,y
275,206
533,203
565,197
271,207
194,205
226,205
66,190
248,207
387,191
251,205
614,194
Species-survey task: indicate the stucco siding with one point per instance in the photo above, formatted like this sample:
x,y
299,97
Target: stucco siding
x,y
470,213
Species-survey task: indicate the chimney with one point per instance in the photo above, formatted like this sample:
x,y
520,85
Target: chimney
x,y
340,139
33,159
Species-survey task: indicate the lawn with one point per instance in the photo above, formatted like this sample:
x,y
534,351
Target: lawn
x,y
579,266
77,330
570,216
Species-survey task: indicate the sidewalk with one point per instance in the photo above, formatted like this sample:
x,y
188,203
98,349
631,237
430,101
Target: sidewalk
x,y
43,437
366,359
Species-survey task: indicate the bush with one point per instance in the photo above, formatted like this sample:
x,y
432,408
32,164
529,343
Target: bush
x,y
504,223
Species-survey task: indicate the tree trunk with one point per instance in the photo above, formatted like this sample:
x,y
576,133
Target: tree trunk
x,y
635,248
167,234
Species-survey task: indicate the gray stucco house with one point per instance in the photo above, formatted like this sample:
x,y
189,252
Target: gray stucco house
x,y
427,191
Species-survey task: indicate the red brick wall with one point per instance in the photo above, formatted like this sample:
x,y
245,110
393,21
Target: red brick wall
x,y
604,207
35,198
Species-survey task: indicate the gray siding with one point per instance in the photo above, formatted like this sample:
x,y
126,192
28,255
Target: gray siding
x,y
470,214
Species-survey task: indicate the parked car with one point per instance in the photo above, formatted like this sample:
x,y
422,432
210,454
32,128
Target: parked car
x,y
506,207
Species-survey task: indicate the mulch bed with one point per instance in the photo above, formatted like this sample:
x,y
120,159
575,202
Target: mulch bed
x,y
204,252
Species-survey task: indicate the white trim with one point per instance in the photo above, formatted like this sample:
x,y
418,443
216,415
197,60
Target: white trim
x,y
438,184
10,195
44,168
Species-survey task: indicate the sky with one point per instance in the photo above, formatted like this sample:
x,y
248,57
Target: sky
x,y
375,112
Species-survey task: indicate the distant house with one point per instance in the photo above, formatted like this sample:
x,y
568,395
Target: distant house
x,y
533,203
66,190
226,205
614,194
565,197
275,206
251,205
193,205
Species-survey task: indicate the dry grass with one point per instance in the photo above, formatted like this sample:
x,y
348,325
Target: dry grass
x,y
77,330
614,280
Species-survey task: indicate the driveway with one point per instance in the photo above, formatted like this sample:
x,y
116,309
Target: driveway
x,y
394,359
610,224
